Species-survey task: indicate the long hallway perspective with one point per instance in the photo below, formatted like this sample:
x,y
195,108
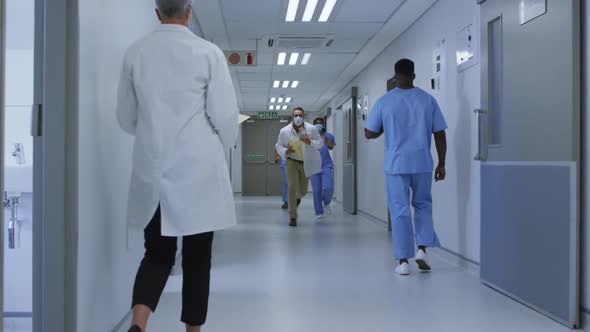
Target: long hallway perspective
x,y
337,274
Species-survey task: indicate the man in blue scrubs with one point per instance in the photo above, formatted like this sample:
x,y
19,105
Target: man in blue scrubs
x,y
408,116
323,182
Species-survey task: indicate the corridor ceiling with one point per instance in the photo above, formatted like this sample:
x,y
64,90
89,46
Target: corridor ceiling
x,y
355,33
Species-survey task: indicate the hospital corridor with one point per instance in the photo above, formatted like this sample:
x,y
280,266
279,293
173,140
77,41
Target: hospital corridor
x,y
294,165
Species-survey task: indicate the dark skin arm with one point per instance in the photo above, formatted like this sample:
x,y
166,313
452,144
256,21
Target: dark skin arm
x,y
440,139
371,135
329,144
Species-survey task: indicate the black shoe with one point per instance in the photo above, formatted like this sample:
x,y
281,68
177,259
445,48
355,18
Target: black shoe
x,y
135,328
285,206
298,202
293,223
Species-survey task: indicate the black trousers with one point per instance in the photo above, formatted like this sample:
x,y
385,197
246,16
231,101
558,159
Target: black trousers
x,y
157,264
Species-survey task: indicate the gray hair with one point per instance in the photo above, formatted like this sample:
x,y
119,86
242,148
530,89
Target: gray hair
x,y
173,8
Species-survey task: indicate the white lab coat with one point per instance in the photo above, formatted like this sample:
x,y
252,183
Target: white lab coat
x,y
312,159
176,97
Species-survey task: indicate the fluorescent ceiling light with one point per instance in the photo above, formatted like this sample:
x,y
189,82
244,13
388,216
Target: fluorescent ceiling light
x,y
277,84
280,100
294,58
282,58
273,100
292,10
285,108
295,84
327,11
305,59
309,10
271,107
285,84
288,100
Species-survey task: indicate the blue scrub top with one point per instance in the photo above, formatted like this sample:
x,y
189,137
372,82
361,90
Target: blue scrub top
x,y
325,152
408,119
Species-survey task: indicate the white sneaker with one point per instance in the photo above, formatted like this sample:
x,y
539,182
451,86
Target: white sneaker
x,y
328,209
403,269
321,216
422,260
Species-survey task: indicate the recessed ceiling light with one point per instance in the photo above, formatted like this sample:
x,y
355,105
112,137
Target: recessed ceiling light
x,y
285,84
327,11
295,84
285,108
288,100
309,10
292,10
273,100
305,59
282,58
276,84
271,107
280,100
294,58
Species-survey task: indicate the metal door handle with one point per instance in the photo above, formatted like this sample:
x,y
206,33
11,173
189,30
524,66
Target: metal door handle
x,y
37,120
482,135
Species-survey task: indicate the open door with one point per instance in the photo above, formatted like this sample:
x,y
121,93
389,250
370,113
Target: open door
x,y
529,147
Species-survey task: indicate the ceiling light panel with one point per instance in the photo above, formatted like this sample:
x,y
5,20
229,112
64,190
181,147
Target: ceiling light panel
x,y
309,10
281,59
292,10
327,11
306,58
294,58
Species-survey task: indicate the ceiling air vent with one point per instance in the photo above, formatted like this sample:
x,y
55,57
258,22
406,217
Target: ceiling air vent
x,y
299,42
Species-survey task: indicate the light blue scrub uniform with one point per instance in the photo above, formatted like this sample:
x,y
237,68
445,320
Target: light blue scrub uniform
x,y
408,119
323,182
285,186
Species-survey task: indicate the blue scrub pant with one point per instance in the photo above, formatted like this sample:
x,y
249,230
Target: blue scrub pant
x,y
285,184
323,189
398,197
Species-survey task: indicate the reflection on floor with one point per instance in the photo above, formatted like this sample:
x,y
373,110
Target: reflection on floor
x,y
336,275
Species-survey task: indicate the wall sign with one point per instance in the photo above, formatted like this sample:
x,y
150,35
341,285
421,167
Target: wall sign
x,y
531,9
241,58
467,46
268,115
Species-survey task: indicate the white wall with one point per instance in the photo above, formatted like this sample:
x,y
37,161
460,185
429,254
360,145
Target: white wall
x,y
18,278
456,201
106,268
19,77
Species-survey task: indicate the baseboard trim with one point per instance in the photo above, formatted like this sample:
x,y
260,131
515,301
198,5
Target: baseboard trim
x,y
456,259
123,325
372,217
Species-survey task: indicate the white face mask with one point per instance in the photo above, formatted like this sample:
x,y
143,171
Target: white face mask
x,y
298,121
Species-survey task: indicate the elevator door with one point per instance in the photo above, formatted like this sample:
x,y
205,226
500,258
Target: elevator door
x,y
261,175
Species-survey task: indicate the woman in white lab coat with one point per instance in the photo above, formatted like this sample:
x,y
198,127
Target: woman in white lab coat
x,y
176,97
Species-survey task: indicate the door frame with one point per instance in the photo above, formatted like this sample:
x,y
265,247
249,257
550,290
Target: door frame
x,y
352,127
56,69
2,56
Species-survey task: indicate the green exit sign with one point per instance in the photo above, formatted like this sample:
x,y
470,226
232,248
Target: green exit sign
x,y
268,115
